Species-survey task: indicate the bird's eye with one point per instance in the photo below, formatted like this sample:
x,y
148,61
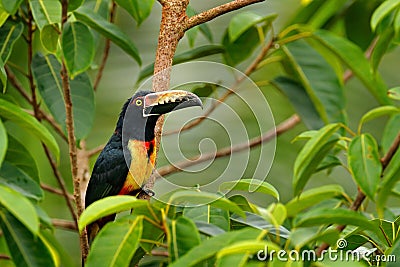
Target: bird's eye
x,y
139,102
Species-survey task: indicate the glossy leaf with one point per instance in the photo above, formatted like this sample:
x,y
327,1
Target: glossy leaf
x,y
394,93
78,47
115,244
107,206
250,185
389,180
355,60
45,12
301,237
74,4
21,158
340,216
376,113
364,162
3,142
3,77
182,235
243,203
209,215
25,248
20,207
16,114
11,6
327,10
49,38
198,52
390,132
382,11
381,47
18,180
328,162
10,32
208,229
242,48
258,222
108,30
312,154
46,71
208,248
3,15
195,198
300,100
138,9
312,197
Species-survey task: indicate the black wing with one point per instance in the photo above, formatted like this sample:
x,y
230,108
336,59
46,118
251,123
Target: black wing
x,y
109,172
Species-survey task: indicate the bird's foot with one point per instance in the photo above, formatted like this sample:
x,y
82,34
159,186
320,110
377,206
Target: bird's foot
x,y
149,192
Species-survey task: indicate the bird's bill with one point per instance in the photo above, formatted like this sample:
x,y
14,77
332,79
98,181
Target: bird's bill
x,y
163,102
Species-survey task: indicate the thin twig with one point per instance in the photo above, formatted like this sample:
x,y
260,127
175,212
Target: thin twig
x,y
56,191
159,253
32,86
95,150
250,69
218,11
226,151
106,50
4,257
68,225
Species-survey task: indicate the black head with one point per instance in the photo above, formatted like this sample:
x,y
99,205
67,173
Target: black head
x,y
140,113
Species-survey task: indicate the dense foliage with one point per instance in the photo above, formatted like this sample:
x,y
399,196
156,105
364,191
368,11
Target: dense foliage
x,y
318,50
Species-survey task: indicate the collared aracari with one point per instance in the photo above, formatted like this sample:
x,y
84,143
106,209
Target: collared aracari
x,y
128,159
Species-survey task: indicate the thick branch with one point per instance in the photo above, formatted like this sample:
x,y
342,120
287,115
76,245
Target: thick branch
x,y
226,151
218,11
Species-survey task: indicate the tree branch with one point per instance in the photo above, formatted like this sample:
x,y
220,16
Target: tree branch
x,y
226,151
95,150
217,11
4,257
56,191
68,225
106,50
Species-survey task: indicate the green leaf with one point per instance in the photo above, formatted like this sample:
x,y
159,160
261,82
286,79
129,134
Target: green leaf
x,y
26,249
74,4
108,30
46,71
242,47
208,229
300,100
394,93
381,47
364,162
49,38
355,60
382,11
198,52
303,237
243,203
10,32
116,243
312,197
21,158
390,132
78,47
243,21
20,207
340,216
208,248
250,185
45,12
18,180
182,235
3,77
376,113
138,9
3,142
328,10
203,28
16,114
258,222
328,162
389,180
11,6
107,206
209,215
195,198
312,154
3,15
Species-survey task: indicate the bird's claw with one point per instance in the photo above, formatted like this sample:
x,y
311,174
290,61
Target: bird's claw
x,y
149,192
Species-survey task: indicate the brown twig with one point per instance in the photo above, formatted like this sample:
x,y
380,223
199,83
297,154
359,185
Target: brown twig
x,y
30,55
218,11
68,225
4,257
56,191
106,50
159,253
250,69
226,151
95,150
69,121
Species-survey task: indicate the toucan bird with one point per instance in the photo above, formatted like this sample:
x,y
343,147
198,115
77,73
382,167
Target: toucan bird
x,y
128,158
